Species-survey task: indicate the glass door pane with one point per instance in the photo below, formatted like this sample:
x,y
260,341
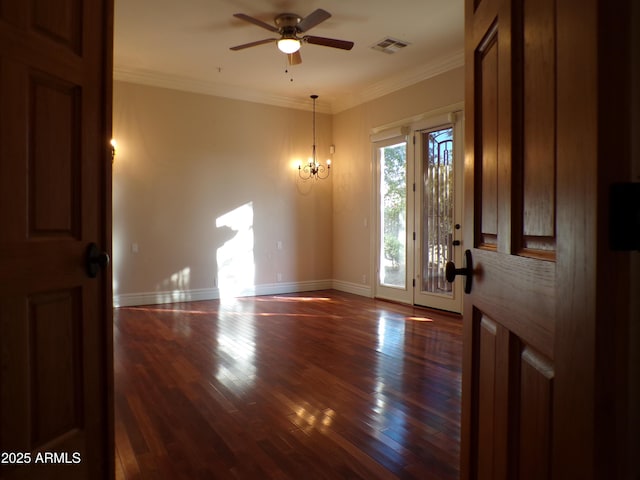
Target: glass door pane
x,y
437,210
393,215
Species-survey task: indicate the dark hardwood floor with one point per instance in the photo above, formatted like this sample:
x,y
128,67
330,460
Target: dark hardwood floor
x,y
317,385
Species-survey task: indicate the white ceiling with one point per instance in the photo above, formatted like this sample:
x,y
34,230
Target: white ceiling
x,y
184,44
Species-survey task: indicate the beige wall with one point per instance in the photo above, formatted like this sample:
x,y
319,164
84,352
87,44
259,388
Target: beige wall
x,y
352,188
185,160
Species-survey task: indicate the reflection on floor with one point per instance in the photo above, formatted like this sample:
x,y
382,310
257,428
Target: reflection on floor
x,y
316,385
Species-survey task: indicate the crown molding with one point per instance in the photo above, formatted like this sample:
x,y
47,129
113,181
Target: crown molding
x,y
175,82
399,81
368,93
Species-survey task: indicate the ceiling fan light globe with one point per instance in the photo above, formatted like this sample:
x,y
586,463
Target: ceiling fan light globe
x,y
288,45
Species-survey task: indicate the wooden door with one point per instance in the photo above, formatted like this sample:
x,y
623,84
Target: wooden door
x,y
55,197
540,356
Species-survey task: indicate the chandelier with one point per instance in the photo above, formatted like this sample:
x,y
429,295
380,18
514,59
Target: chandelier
x,y
313,168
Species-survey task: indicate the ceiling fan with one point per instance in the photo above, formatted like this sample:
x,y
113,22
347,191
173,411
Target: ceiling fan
x,y
290,27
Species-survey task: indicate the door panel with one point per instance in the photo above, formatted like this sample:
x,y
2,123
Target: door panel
x,y
55,174
60,21
486,352
538,232
55,364
535,414
53,180
487,195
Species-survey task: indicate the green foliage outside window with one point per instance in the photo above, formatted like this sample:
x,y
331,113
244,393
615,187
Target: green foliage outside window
x,y
394,201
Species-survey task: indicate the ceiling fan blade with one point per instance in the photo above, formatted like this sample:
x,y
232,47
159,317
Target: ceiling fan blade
x,y
253,44
295,58
329,42
255,21
313,19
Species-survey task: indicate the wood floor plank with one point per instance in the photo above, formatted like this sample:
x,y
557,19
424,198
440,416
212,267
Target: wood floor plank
x,y
322,385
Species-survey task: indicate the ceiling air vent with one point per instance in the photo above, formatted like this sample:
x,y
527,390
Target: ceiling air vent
x,y
389,45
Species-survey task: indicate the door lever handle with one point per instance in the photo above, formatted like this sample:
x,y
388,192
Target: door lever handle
x,y
451,271
96,260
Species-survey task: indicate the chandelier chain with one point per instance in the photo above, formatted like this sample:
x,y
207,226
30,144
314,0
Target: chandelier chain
x,y
314,169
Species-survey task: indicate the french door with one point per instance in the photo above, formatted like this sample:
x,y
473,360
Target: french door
x,y
418,199
438,202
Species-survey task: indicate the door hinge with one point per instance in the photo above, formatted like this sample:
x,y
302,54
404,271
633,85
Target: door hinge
x,y
414,187
414,282
414,236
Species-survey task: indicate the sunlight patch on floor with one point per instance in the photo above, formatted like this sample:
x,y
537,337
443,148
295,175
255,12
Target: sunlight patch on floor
x,y
420,319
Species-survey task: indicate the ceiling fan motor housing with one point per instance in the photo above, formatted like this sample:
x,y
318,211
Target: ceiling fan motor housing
x,y
288,22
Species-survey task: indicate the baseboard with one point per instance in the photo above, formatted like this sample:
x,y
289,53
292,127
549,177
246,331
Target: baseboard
x,y
293,287
175,296
156,298
355,288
